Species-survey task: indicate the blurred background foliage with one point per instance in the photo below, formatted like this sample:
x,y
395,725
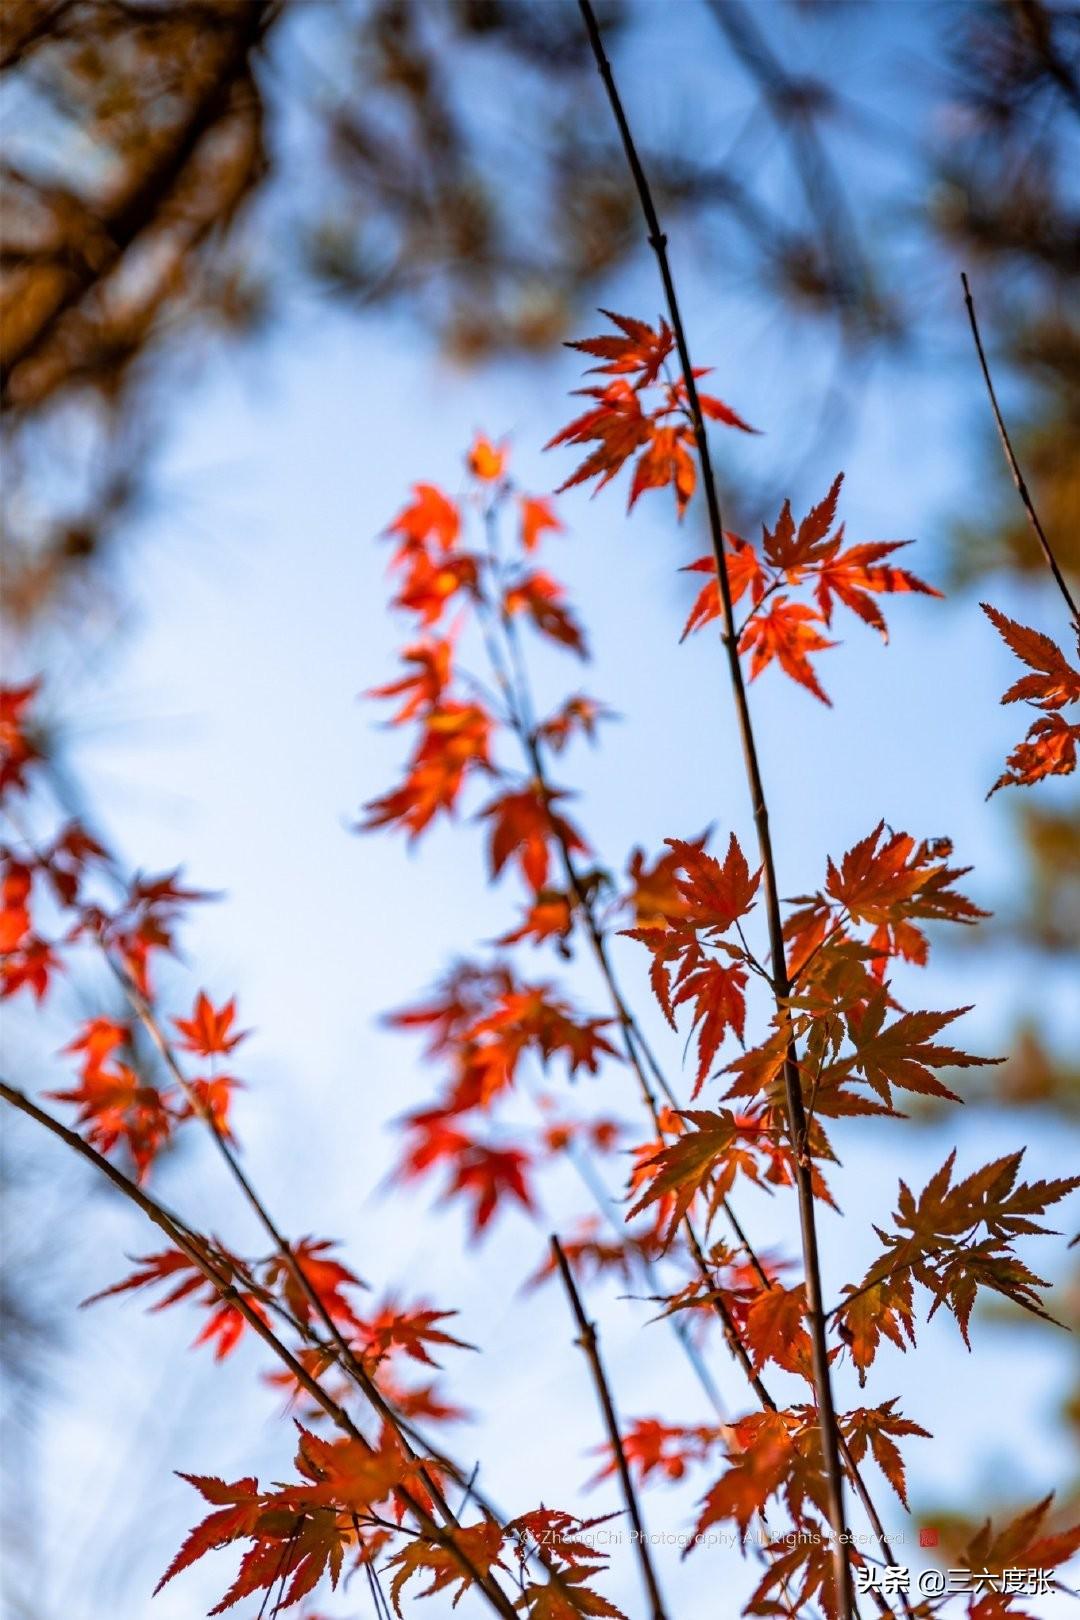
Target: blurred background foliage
x,y
178,171
181,174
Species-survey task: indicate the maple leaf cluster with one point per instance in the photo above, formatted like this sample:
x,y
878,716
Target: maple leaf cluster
x,y
299,1533
1049,749
455,725
853,1045
813,557
954,1239
49,904
384,1341
482,1022
1024,1543
835,1025
692,959
837,1032
641,412
48,908
485,1020
348,1502
118,1103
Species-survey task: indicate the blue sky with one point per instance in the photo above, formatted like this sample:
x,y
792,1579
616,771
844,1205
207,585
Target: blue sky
x,y
223,729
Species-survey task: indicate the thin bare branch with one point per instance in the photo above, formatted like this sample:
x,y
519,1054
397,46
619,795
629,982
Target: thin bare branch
x,y
183,1240
349,1362
792,1082
589,1343
1010,457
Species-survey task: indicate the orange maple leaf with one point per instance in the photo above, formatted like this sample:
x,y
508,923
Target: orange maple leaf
x,y
524,826
1055,683
429,584
715,896
790,550
876,1427
117,1106
410,1331
765,1461
849,575
641,348
430,514
485,460
652,1446
455,741
543,600
667,460
488,1176
579,713
431,674
478,1547
774,1329
100,1037
744,572
239,1507
616,423
327,1278
537,516
1048,750
788,633
209,1029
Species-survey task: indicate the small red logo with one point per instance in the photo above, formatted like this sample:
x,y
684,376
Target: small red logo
x,y
928,1538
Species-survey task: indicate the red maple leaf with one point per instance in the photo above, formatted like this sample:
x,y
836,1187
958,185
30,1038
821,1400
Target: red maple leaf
x,y
524,826
537,516
18,749
209,1029
542,599
429,514
788,633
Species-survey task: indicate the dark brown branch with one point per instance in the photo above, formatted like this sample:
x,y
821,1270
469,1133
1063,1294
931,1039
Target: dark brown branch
x,y
348,1361
514,685
792,1083
1013,464
183,1239
589,1343
339,1350
140,207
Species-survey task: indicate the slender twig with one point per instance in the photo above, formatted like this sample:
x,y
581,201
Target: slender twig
x,y
282,1569
183,1240
513,680
512,676
600,1196
340,1350
347,1359
1013,464
792,1081
589,1343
